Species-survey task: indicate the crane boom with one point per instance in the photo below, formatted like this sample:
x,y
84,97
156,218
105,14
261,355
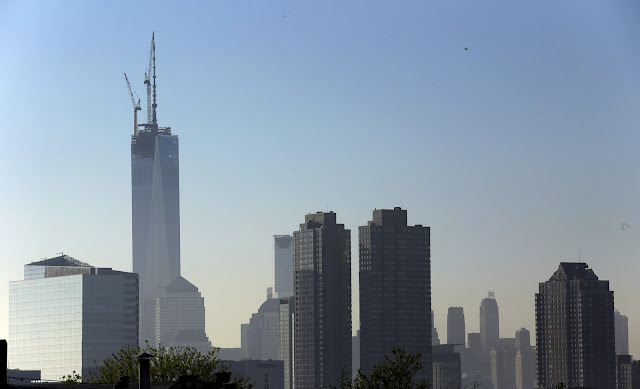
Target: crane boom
x,y
136,107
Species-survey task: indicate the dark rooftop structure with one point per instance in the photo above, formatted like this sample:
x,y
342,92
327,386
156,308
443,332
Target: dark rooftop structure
x,y
62,260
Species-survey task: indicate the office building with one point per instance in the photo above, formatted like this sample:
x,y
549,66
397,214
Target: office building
x,y
261,336
489,324
622,333
263,374
435,338
283,250
180,317
446,367
503,357
285,348
575,329
322,285
155,197
67,315
395,289
355,354
525,362
455,326
627,372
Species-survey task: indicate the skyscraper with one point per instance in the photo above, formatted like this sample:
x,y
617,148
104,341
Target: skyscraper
x,y
395,289
67,315
525,360
285,348
622,333
455,326
322,322
575,329
261,338
283,250
489,324
180,317
155,198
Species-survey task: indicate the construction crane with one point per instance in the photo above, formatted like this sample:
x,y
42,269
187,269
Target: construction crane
x,y
136,107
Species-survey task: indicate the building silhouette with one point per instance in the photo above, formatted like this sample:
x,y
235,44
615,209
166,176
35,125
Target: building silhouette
x,y
261,336
180,318
283,253
155,197
575,329
67,315
455,326
395,289
627,372
446,367
285,348
622,333
503,358
489,324
322,281
525,362
435,338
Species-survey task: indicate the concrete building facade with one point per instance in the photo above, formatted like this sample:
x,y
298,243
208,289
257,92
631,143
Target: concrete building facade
x,y
283,255
395,289
575,331
622,333
322,286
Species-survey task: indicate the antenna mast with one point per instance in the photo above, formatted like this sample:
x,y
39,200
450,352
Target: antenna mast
x,y
147,82
153,54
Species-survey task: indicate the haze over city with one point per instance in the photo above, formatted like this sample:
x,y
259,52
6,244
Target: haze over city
x,y
510,129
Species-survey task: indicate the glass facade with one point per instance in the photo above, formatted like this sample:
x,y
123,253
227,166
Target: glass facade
x,y
155,218
64,323
283,249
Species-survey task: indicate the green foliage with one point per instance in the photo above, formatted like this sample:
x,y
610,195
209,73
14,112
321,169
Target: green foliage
x,y
168,365
559,385
395,372
73,378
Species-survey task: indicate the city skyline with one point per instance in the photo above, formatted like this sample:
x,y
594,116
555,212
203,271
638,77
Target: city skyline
x,y
511,185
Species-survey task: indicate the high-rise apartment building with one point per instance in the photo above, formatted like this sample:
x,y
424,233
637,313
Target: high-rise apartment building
x,y
283,250
180,317
622,333
395,289
575,329
322,285
155,197
489,324
67,315
455,326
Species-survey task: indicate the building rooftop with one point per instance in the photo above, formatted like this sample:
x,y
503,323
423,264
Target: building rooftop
x,y
181,285
62,260
573,271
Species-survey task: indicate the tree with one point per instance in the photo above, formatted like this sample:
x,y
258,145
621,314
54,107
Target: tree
x,y
168,365
73,378
395,372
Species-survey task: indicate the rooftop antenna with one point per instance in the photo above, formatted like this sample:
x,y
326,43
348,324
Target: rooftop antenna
x,y
147,82
153,56
492,295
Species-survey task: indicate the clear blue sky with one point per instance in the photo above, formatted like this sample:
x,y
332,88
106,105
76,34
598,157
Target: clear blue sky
x,y
520,152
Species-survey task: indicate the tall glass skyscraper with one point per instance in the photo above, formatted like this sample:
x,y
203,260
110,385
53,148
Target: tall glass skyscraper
x,y
67,315
156,212
283,248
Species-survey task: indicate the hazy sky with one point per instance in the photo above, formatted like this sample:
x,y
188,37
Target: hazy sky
x,y
520,152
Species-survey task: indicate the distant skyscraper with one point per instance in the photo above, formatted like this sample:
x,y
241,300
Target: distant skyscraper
x,y
395,289
525,360
263,332
455,326
435,339
285,348
67,315
180,317
523,338
283,249
155,210
322,280
575,329
622,333
446,367
489,323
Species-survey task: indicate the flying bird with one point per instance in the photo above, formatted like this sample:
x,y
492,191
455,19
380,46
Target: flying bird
x,y
625,226
466,48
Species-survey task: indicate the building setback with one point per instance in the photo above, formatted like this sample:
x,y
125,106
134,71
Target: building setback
x,y
283,255
575,329
67,315
455,326
489,324
322,283
180,317
395,289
